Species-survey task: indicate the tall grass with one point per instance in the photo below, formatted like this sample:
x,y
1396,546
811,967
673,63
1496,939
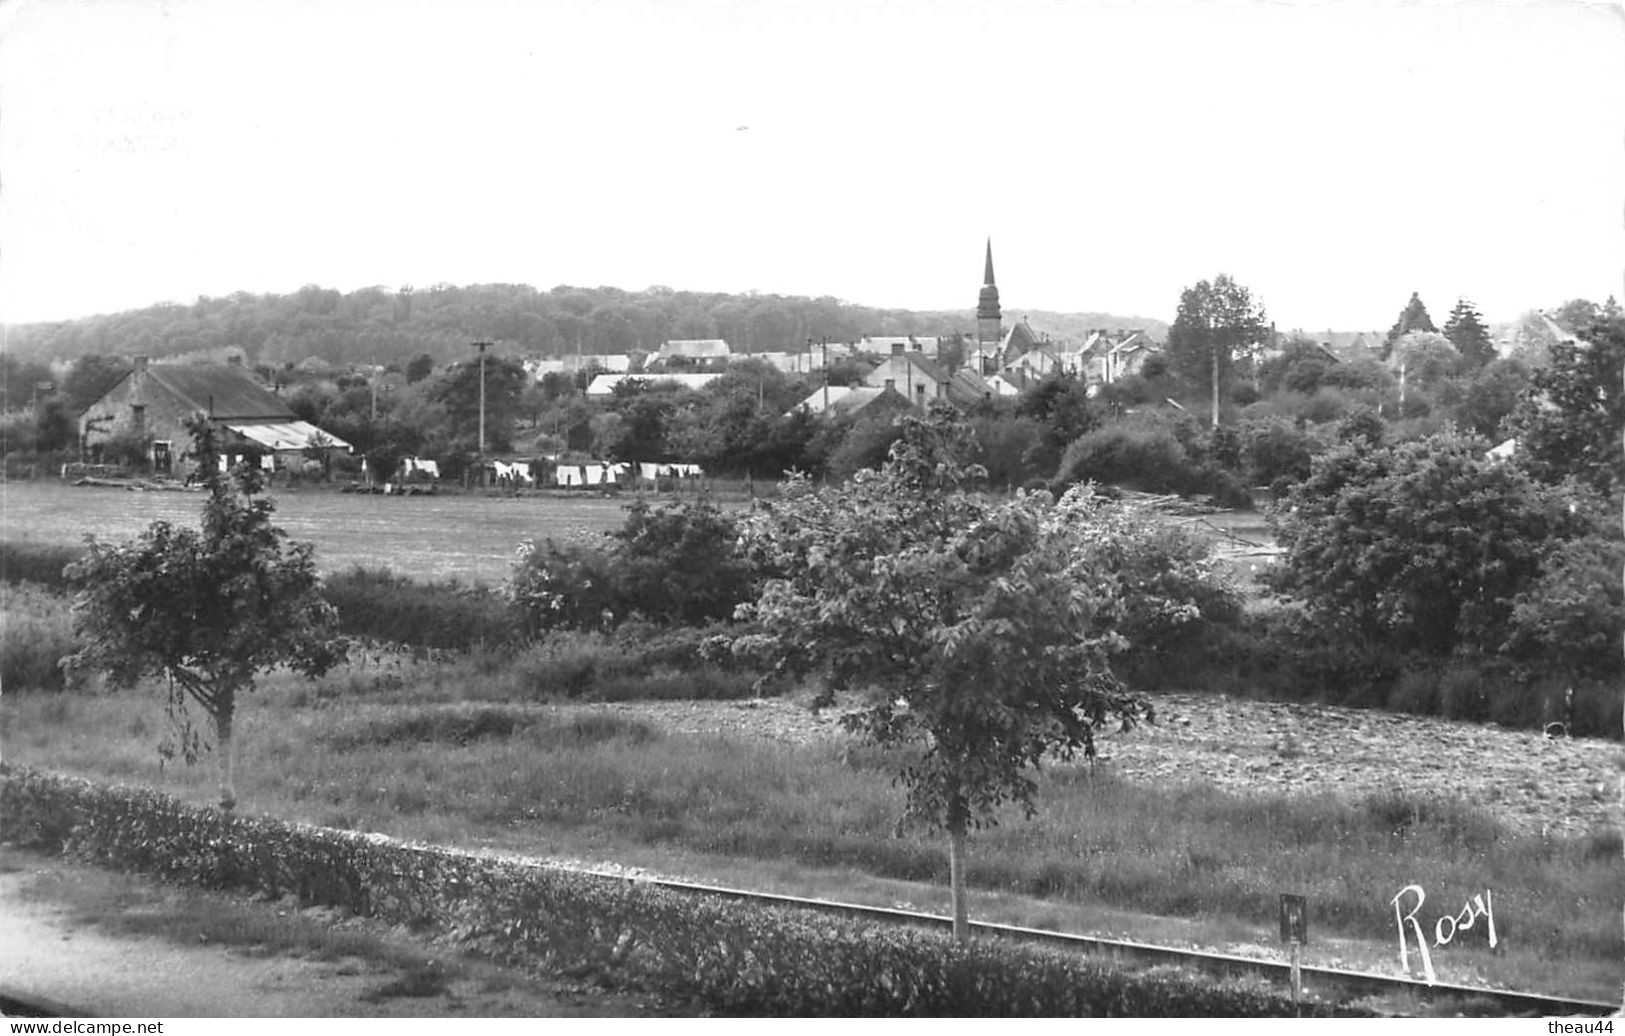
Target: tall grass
x,y
523,776
25,561
36,631
378,604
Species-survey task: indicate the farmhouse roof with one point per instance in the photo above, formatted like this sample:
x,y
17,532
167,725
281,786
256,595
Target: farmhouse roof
x,y
847,399
966,387
695,348
882,345
605,384
613,363
222,392
281,436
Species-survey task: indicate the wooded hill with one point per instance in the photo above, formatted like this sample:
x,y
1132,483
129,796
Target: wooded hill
x,y
380,325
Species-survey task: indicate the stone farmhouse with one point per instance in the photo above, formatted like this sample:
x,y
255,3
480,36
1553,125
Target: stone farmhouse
x,y
152,402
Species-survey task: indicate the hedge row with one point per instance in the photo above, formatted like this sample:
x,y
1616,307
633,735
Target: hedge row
x,y
738,958
26,562
377,604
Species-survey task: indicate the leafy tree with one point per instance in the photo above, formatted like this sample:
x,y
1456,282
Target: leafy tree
x,y
1423,543
1216,323
418,368
1414,317
1571,617
1491,396
54,427
1060,404
1568,421
1278,453
20,380
680,565
89,378
1362,424
458,390
865,442
1576,315
1425,359
1466,331
1301,366
984,628
207,609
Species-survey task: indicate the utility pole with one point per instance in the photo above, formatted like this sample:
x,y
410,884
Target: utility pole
x,y
825,344
482,346
1213,343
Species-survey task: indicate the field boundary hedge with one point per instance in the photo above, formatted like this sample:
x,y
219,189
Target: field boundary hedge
x,y
738,958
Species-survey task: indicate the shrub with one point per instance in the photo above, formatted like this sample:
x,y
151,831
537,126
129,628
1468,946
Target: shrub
x,y
1422,544
864,445
1416,692
1138,453
634,663
679,565
1572,616
25,561
36,633
736,957
1275,449
378,604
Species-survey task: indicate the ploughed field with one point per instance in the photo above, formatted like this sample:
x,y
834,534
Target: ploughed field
x,y
449,535
1530,783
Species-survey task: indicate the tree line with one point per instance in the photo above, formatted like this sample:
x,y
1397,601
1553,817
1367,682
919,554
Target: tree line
x,y
379,325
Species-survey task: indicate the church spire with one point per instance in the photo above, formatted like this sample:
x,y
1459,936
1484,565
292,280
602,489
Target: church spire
x,y
989,321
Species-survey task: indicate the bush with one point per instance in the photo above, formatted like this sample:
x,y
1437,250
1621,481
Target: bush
x,y
736,957
1422,544
1275,449
637,662
1416,692
1280,654
380,605
1137,453
24,561
1572,616
676,566
36,633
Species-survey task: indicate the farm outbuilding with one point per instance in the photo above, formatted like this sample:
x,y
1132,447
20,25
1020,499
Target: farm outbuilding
x,y
151,403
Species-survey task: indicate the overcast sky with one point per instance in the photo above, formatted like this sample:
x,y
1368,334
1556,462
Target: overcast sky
x,y
1332,157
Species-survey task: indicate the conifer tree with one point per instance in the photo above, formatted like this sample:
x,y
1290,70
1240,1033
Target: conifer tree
x,y
1467,333
1414,317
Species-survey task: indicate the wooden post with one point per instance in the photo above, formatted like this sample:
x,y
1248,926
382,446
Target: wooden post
x,y
1297,981
1295,932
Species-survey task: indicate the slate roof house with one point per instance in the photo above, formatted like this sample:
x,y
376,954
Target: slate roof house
x,y
844,400
153,401
692,352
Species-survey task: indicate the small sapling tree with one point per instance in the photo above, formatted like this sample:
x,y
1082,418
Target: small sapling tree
x,y
983,628
207,610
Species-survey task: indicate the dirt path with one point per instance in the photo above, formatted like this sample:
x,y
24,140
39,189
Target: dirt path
x,y
107,968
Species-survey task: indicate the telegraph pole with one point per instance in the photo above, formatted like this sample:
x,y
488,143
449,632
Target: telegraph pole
x,y
482,346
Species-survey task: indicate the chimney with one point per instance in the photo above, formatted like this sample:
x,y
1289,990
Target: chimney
x,y
891,384
897,348
234,360
141,363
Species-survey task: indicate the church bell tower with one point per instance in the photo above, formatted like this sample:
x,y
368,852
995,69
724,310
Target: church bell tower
x,y
989,321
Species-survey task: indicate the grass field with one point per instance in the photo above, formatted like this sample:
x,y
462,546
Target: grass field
x,y
454,753
467,537
471,538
